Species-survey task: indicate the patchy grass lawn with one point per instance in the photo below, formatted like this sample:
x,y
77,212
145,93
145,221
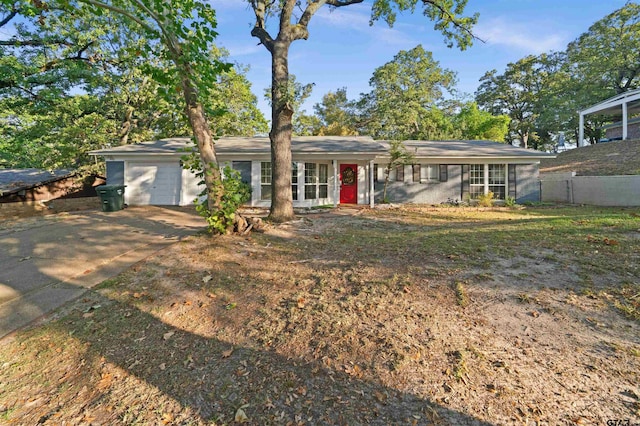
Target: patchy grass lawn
x,y
407,316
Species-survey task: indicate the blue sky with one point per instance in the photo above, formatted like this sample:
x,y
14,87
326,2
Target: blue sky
x,y
343,50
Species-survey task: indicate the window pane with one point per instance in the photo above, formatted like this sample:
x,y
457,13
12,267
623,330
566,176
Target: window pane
x,y
324,191
476,191
294,172
497,174
323,170
265,172
310,192
428,172
476,174
310,173
265,192
294,192
498,191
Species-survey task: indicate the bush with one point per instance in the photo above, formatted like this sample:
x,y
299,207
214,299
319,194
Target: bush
x,y
234,194
510,201
486,200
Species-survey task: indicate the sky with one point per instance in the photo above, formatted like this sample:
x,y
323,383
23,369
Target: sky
x,y
343,50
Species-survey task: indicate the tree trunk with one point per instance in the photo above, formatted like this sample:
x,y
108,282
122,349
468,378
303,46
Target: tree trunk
x,y
204,141
280,135
123,135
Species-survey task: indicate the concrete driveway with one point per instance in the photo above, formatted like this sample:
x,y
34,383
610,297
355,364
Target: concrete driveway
x,y
49,260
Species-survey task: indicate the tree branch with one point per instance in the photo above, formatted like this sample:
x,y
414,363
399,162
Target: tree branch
x,y
121,12
451,18
9,17
17,43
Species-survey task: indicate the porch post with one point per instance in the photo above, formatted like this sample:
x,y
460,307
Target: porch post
x,y
624,121
581,131
336,191
372,191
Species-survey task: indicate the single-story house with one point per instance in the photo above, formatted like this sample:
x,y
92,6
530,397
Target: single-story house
x,y
19,185
332,170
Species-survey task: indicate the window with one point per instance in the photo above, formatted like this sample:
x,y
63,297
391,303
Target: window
x,y
294,181
498,180
476,180
310,181
488,177
316,181
323,185
429,173
265,180
400,173
375,173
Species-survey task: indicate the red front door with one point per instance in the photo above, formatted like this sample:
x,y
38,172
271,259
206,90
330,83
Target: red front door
x,y
348,184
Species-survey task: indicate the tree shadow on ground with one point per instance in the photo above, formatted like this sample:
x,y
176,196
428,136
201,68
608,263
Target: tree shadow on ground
x,y
211,379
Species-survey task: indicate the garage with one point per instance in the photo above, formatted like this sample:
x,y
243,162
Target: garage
x,y
157,184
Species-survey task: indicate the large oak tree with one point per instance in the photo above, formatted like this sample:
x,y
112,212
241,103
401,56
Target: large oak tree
x,y
293,17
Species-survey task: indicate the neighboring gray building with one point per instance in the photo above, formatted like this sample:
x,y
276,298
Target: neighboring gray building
x,y
332,170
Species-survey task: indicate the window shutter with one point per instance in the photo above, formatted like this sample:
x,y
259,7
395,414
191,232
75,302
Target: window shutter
x,y
512,180
444,173
465,182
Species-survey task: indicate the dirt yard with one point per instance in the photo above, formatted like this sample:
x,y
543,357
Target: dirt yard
x,y
416,315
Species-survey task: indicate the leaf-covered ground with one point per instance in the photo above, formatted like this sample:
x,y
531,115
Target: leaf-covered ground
x,y
403,316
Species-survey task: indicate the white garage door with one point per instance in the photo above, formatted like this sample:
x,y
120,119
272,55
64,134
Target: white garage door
x,y
155,184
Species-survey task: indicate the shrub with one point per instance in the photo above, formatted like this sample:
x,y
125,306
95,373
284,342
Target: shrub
x,y
510,201
486,200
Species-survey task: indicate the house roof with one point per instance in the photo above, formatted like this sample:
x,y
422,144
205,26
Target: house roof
x,y
334,145
466,149
612,106
247,145
14,180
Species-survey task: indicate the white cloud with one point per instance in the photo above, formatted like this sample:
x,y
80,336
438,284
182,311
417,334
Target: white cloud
x,y
356,18
529,37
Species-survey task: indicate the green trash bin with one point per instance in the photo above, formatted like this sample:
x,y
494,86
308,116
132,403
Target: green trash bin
x,y
112,197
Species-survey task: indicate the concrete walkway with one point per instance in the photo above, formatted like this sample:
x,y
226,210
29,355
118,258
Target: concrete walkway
x,y
49,260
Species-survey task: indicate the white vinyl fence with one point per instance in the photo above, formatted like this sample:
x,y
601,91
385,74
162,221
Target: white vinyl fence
x,y
592,190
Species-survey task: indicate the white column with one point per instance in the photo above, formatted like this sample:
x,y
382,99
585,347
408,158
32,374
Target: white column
x,y
581,131
624,121
371,185
336,190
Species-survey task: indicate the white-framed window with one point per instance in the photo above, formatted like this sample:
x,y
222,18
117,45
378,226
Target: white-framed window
x,y
323,180
265,180
476,180
488,177
316,181
310,181
498,180
294,181
425,173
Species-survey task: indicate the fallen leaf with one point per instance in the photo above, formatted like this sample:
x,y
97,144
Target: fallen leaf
x,y
227,354
25,258
162,366
211,296
241,416
535,314
167,335
206,279
301,302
